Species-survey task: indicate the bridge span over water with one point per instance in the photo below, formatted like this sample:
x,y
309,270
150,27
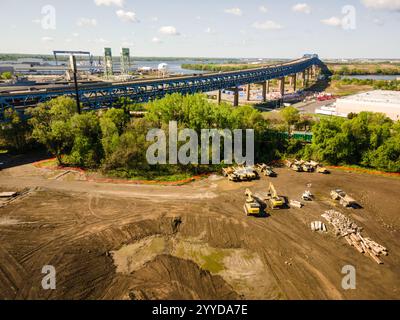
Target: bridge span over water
x,y
105,95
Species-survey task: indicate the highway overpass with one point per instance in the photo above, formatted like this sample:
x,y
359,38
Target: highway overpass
x,y
106,94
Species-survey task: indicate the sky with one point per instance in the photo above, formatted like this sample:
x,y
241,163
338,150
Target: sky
x,y
204,28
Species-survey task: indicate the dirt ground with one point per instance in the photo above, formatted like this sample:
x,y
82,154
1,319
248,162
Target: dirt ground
x,y
191,242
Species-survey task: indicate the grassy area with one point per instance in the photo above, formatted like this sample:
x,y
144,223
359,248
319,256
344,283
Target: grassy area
x,y
337,88
214,261
364,68
149,176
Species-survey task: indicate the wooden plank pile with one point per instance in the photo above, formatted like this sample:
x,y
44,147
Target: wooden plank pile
x,y
347,229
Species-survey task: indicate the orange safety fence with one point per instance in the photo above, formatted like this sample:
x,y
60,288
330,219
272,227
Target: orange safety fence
x,y
367,171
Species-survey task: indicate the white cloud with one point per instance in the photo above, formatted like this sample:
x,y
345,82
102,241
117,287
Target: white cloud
x,y
127,44
118,3
101,40
234,11
333,22
379,22
75,34
47,39
302,7
169,30
156,40
86,22
154,19
391,5
209,30
267,25
37,21
263,9
126,16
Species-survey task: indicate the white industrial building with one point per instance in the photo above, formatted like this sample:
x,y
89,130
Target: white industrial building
x,y
384,101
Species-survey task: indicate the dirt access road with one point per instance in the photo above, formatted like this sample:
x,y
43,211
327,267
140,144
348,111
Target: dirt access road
x,y
111,241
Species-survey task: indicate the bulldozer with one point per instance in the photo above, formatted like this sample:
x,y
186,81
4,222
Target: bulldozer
x,y
308,167
297,167
240,173
266,170
323,170
344,199
251,207
274,200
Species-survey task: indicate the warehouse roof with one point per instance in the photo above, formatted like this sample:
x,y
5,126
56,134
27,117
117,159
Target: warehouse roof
x,y
377,96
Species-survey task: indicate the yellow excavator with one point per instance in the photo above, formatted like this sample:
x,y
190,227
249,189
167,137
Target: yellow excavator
x,y
275,201
252,207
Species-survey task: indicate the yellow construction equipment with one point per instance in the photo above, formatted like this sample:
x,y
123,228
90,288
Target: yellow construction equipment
x,y
252,207
275,201
322,170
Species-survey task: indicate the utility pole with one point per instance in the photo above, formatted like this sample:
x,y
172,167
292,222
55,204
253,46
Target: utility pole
x,y
72,63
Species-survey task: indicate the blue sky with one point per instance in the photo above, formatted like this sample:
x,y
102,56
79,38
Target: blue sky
x,y
206,28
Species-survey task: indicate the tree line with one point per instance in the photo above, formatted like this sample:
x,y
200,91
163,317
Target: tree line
x,y
115,143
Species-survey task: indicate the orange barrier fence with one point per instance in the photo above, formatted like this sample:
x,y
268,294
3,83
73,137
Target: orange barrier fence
x,y
367,171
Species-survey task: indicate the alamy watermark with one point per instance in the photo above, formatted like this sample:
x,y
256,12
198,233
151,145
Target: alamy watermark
x,y
49,280
349,280
188,153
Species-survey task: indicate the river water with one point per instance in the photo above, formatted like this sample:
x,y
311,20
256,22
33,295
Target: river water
x,y
374,77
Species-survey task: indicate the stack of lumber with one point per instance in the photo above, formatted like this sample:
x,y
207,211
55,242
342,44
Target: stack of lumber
x,y
318,226
344,227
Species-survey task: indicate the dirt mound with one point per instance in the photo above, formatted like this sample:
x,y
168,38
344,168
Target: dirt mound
x,y
168,277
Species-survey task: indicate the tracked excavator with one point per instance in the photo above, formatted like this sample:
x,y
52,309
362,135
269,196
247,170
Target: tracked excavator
x,y
252,207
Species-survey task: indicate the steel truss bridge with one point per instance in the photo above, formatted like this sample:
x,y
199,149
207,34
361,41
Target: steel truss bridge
x,y
95,96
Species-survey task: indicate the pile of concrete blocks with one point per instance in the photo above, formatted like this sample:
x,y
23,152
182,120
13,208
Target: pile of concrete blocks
x,y
342,224
346,228
318,226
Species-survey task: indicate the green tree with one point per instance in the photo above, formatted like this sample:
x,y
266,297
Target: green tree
x,y
15,131
6,75
51,125
87,149
291,116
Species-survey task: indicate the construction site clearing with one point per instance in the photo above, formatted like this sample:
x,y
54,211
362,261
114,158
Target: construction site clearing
x,y
116,241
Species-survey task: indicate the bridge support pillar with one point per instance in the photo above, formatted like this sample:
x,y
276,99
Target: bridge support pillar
x,y
219,96
236,97
248,92
294,82
303,79
268,86
264,91
282,86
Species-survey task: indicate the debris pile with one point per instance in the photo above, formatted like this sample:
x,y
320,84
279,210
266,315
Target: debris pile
x,y
346,228
318,226
296,204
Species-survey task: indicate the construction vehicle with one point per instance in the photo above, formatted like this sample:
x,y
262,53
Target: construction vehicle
x,y
274,200
344,199
240,173
288,163
307,196
322,170
307,167
227,171
297,167
266,170
251,207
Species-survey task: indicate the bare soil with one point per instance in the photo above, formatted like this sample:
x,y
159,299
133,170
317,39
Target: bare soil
x,y
111,241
